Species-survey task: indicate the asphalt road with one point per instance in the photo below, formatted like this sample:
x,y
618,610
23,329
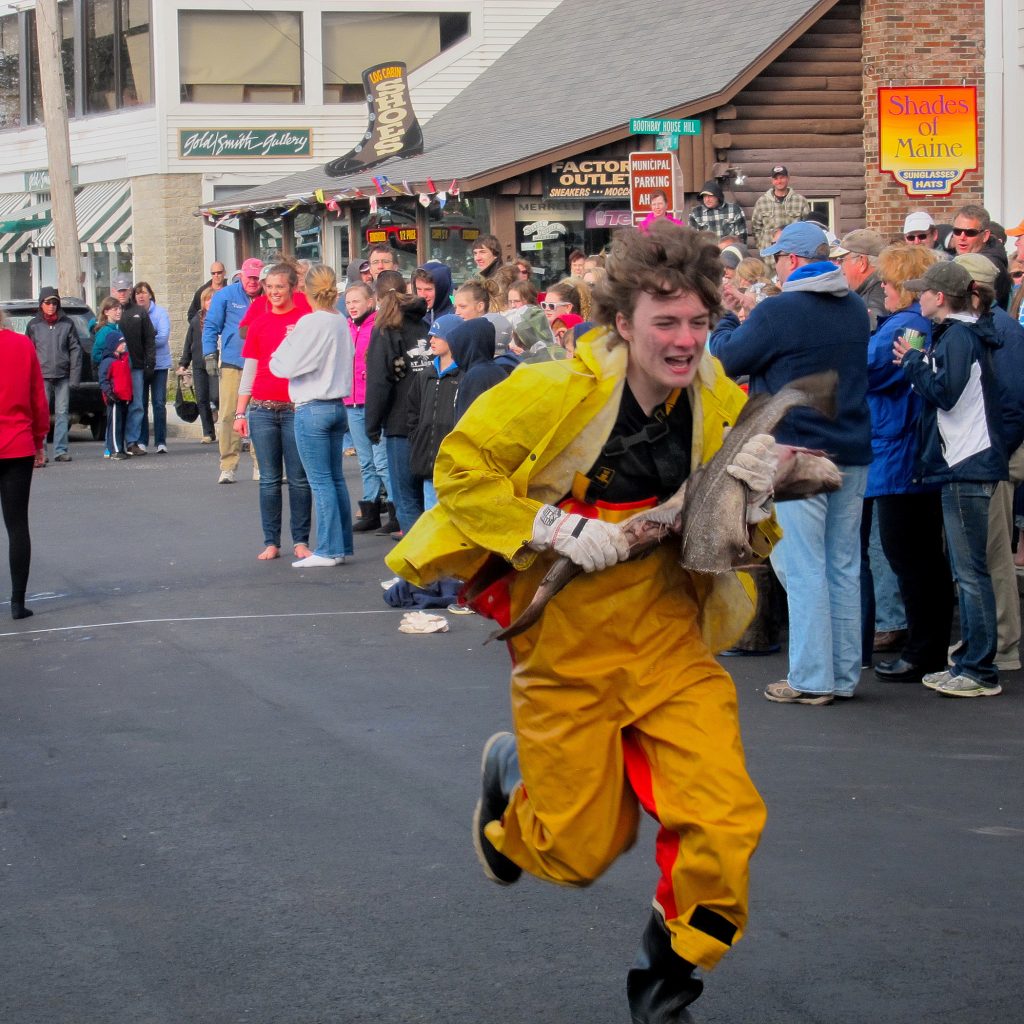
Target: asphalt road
x,y
231,791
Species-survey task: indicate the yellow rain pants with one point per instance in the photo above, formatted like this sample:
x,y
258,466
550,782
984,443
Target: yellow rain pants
x,y
617,703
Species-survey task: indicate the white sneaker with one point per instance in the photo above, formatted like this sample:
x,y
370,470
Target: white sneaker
x,y
142,447
161,449
388,584
227,476
933,680
317,561
964,686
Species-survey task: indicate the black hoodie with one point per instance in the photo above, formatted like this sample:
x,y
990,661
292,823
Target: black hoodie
x,y
393,359
995,252
472,347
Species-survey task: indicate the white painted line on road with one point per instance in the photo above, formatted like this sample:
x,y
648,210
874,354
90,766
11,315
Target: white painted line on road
x,y
199,618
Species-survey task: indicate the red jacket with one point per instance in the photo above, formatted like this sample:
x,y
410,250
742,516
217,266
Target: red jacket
x,y
24,410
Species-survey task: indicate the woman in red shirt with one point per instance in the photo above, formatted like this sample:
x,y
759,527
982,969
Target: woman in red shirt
x,y
24,422
265,412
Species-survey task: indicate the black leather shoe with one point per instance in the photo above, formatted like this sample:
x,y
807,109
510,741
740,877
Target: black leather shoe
x,y
899,671
499,775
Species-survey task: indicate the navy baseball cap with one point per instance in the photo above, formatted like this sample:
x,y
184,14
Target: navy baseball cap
x,y
800,239
443,326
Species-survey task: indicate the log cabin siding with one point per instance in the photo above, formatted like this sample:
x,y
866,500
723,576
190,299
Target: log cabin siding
x,y
804,110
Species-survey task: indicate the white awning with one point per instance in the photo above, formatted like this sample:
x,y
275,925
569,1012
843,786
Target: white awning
x,y
15,245
104,215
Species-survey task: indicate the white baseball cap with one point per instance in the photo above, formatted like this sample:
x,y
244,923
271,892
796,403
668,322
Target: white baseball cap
x,y
919,220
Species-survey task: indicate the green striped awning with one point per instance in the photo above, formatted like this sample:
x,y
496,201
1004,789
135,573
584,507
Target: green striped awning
x,y
15,210
104,215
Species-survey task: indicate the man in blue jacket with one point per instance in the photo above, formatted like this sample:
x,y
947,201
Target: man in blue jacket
x,y
220,330
816,324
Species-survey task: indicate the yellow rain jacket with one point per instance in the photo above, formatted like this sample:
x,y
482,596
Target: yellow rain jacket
x,y
617,701
520,446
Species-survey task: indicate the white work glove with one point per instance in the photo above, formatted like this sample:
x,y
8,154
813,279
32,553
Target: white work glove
x,y
589,543
756,464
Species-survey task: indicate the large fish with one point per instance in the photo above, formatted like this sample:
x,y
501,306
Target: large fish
x,y
709,511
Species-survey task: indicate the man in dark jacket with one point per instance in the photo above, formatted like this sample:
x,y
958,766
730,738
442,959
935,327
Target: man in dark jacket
x,y
857,256
816,324
218,279
138,331
60,356
433,284
972,233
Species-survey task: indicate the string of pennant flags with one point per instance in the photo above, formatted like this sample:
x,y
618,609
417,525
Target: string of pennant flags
x,y
332,200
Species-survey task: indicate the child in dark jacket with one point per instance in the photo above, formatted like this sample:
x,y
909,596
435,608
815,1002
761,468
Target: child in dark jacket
x,y
109,347
432,406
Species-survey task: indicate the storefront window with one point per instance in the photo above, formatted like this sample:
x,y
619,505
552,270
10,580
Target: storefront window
x,y
453,231
356,40
547,230
267,234
118,54
66,16
393,224
240,57
10,72
308,243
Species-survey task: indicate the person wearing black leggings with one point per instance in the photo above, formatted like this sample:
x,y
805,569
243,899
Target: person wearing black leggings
x,y
24,422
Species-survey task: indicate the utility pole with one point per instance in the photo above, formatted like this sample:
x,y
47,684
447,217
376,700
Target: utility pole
x,y
58,149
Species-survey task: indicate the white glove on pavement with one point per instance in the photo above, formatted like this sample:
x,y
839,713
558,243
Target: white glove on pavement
x,y
756,464
589,543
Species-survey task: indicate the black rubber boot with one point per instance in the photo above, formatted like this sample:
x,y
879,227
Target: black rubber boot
x,y
499,775
660,984
392,524
369,517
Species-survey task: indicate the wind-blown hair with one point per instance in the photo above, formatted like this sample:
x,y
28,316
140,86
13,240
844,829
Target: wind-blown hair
x,y
663,260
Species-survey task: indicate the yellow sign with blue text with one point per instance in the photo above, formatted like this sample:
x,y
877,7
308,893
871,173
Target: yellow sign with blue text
x,y
928,137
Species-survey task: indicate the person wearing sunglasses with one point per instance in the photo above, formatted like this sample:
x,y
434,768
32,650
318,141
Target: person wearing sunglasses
x,y
919,228
972,233
218,279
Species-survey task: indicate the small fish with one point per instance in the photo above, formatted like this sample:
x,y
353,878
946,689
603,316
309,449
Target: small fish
x,y
709,511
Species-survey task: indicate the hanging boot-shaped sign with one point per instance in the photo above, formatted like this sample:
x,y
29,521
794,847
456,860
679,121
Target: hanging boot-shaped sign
x,y
393,130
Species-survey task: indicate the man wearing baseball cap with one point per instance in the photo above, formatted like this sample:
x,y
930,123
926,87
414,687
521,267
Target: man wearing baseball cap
x,y
857,256
919,228
220,333
1017,234
1008,364
777,207
815,325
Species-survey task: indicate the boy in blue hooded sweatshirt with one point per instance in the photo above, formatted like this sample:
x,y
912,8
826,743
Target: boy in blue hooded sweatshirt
x,y
433,284
473,344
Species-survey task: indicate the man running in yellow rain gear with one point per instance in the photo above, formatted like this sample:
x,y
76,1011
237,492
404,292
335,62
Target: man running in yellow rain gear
x,y
617,700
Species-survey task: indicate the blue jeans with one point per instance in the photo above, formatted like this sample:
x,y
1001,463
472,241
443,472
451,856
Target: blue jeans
x,y
320,438
965,517
373,458
273,437
59,390
155,393
136,411
889,611
429,495
406,489
818,562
